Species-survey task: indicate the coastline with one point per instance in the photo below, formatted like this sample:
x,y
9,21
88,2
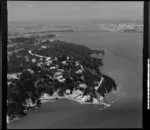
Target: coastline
x,y
55,97
125,113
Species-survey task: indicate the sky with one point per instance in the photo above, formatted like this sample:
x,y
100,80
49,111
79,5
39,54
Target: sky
x,y
73,10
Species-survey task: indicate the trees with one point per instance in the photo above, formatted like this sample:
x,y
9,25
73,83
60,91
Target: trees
x,y
16,99
88,78
107,85
19,91
79,68
69,83
15,109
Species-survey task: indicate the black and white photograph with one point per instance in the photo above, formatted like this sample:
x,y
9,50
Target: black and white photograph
x,y
74,64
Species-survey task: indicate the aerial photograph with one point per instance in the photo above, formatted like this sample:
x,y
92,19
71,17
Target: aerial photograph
x,y
74,64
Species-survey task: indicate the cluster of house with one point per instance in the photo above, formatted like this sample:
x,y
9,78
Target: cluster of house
x,y
40,37
122,27
50,64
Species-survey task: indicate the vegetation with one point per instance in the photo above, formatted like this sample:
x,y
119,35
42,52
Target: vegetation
x,y
36,80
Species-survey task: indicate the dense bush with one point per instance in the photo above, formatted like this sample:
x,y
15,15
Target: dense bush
x,y
107,85
15,109
33,85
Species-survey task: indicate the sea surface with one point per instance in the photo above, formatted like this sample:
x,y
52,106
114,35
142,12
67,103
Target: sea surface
x,y
123,62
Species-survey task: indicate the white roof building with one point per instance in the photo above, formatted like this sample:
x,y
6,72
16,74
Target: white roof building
x,y
68,57
79,71
61,80
61,70
85,98
39,64
59,77
77,63
44,47
52,67
29,51
83,86
41,59
48,63
58,73
48,58
55,59
31,71
33,60
64,62
13,76
68,91
27,59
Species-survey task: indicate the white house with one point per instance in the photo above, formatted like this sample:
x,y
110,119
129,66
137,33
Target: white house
x,y
55,59
41,59
39,64
77,63
44,47
13,76
33,60
68,57
58,73
48,58
30,70
68,91
83,86
64,62
85,98
52,67
79,71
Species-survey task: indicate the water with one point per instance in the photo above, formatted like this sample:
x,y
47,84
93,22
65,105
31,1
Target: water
x,y
123,62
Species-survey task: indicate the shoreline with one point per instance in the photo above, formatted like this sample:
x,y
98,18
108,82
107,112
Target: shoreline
x,y
126,112
68,97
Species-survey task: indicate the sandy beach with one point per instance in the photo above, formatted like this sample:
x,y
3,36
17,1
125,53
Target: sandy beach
x,y
123,61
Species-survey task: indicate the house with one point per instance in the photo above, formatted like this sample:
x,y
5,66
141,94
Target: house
x,y
27,59
58,73
51,40
44,47
77,63
60,70
55,59
68,91
48,63
85,98
81,67
59,77
33,60
39,64
61,80
13,76
79,71
68,57
45,95
8,83
41,59
82,86
30,70
29,51
29,103
64,62
48,58
52,67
